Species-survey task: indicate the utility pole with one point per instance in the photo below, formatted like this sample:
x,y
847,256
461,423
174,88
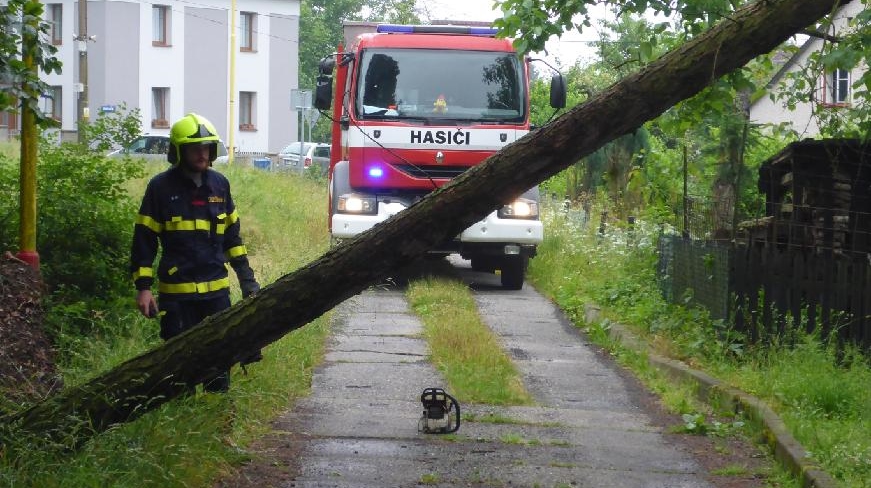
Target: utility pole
x,y
231,137
27,179
82,43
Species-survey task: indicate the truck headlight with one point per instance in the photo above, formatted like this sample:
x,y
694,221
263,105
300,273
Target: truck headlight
x,y
522,208
356,204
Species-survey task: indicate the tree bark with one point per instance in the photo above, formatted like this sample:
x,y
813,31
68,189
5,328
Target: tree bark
x,y
153,378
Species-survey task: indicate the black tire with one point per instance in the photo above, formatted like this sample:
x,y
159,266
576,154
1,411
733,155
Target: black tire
x,y
513,269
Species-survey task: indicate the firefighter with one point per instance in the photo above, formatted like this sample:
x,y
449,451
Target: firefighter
x,y
188,211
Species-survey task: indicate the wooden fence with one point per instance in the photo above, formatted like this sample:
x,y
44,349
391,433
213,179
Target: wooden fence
x,y
777,291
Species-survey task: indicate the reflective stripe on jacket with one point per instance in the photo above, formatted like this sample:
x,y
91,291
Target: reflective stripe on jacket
x,y
197,229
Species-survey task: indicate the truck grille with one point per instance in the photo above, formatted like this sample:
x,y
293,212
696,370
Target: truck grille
x,y
431,171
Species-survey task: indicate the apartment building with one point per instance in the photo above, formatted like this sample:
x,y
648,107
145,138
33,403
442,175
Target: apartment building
x,y
172,57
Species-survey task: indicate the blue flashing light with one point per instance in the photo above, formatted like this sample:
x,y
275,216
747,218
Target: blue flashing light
x,y
394,29
376,172
436,29
483,31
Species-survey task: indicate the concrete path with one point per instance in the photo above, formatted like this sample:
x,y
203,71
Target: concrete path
x,y
359,427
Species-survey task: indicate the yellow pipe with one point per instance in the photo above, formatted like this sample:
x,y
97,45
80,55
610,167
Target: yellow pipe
x,y
232,118
27,180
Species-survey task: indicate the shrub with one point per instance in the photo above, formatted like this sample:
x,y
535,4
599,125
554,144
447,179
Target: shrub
x,y
84,226
112,129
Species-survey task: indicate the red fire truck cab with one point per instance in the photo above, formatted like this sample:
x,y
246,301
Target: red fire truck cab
x,y
415,106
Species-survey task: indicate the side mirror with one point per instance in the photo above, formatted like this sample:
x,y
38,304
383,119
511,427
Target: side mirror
x,y
558,91
323,92
324,83
325,67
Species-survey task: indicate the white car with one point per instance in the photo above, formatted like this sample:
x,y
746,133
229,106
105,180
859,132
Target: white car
x,y
314,155
154,148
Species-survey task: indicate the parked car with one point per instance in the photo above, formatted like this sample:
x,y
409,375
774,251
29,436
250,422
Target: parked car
x,y
154,147
314,155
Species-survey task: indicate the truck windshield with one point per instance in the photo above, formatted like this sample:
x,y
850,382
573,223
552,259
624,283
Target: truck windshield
x,y
440,84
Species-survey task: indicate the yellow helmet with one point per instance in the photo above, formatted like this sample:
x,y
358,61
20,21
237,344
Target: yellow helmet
x,y
192,129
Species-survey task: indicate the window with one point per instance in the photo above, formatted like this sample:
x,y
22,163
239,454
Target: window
x,y
54,17
433,83
247,114
8,118
836,88
841,86
160,25
247,29
53,103
160,107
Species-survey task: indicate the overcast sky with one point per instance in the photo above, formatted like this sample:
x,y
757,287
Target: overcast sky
x,y
461,9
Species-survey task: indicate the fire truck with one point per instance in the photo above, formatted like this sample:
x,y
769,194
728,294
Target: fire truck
x,y
415,106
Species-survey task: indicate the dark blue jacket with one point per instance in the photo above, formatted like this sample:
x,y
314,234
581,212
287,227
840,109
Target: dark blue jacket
x,y
198,229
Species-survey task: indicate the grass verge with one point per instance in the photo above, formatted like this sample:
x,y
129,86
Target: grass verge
x,y
462,347
193,440
823,399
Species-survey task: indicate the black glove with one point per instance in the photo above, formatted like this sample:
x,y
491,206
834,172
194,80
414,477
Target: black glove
x,y
249,287
245,274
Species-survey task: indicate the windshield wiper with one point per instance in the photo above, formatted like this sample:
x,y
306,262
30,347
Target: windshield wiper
x,y
380,117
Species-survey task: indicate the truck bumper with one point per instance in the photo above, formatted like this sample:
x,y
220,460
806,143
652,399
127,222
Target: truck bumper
x,y
346,226
494,229
490,229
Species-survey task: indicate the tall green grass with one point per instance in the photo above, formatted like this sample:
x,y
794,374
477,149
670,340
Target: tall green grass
x,y
462,347
192,440
824,400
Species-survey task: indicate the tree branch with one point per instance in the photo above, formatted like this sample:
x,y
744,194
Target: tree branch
x,y
820,35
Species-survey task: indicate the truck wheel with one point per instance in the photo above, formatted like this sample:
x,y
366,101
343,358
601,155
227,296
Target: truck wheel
x,y
513,268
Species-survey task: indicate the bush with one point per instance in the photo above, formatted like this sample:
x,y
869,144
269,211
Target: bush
x,y
84,227
112,129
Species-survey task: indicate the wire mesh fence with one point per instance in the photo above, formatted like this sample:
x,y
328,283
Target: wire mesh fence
x,y
774,276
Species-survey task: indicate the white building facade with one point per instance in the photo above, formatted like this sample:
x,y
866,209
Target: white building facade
x,y
174,57
831,91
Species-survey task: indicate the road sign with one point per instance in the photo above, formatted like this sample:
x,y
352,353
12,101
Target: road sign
x,y
300,99
312,116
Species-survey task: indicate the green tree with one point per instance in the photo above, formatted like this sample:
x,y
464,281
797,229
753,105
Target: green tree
x,y
20,70
616,163
712,126
533,22
19,81
844,49
582,82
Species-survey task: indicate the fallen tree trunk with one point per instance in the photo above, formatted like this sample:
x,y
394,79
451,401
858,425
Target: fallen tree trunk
x,y
157,376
